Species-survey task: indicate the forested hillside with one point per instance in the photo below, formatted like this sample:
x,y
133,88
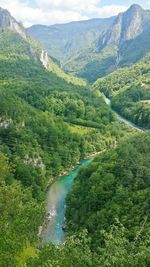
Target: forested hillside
x,y
37,108
129,90
115,190
21,215
108,212
48,122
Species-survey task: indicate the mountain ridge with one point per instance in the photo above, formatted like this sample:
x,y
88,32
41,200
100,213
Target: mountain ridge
x,y
12,30
100,48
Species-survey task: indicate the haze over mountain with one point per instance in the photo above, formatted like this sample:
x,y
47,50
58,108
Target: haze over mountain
x,y
71,38
97,46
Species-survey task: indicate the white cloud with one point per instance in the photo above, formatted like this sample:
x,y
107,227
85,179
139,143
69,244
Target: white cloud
x,y
74,5
22,11
58,11
107,11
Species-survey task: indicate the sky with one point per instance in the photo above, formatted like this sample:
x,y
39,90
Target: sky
x,y
49,12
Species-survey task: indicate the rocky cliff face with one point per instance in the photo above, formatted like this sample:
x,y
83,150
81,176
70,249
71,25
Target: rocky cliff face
x,y
44,59
127,26
8,22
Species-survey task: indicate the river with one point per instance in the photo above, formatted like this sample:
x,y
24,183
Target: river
x,y
53,231
56,195
108,102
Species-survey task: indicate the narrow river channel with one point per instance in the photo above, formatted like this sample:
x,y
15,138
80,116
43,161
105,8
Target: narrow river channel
x,y
108,102
56,195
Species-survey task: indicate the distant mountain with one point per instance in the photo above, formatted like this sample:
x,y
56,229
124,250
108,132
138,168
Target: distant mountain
x,y
67,40
130,34
94,48
126,26
16,42
73,42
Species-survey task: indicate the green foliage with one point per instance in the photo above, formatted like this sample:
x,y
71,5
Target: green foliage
x,y
130,93
92,64
20,216
40,115
117,251
115,185
34,105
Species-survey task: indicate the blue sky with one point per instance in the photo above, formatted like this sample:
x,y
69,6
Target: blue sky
x,y
49,12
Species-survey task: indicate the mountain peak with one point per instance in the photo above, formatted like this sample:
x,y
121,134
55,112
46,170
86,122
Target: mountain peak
x,y
135,7
127,25
5,18
7,22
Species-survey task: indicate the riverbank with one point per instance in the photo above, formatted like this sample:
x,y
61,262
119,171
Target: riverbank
x,y
131,124
55,208
71,168
92,155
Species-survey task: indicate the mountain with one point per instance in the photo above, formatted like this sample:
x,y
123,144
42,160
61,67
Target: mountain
x,y
73,42
49,121
126,26
94,48
42,108
130,34
13,32
65,41
8,22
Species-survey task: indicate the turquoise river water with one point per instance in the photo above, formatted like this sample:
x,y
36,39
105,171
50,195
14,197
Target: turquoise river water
x,y
56,206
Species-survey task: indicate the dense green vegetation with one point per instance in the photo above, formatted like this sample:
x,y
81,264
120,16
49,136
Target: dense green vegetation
x,y
114,190
110,199
34,105
40,114
14,47
129,89
20,217
93,64
48,122
118,251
